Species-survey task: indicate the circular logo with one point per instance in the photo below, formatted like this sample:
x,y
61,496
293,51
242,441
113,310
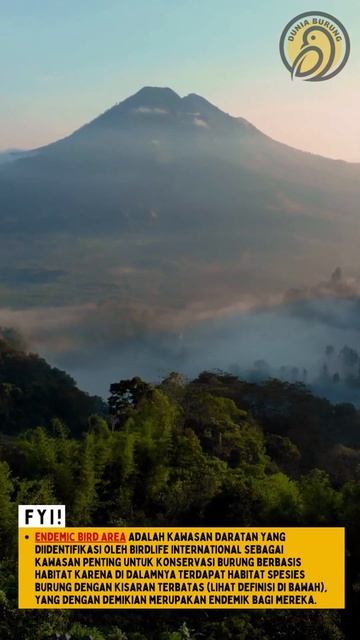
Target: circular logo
x,y
314,46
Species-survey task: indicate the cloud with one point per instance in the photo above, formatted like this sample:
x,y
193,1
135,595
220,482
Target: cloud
x,y
151,334
337,286
49,328
200,122
114,321
151,110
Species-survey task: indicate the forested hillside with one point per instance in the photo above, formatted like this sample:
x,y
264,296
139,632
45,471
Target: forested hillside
x,y
32,392
216,450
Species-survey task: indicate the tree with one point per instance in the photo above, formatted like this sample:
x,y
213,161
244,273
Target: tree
x,y
124,396
7,507
321,503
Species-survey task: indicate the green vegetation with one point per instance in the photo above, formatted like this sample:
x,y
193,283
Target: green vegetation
x,y
32,392
216,450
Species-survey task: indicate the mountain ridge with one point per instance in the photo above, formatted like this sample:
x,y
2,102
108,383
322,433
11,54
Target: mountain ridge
x,y
163,97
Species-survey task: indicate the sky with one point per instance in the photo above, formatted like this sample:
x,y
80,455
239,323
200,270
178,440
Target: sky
x,y
65,62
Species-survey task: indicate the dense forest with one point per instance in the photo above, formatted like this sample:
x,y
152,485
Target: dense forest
x,y
215,450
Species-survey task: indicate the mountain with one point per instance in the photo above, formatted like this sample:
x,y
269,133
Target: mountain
x,y
160,214
182,158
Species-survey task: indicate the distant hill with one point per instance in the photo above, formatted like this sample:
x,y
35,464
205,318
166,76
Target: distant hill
x,y
32,393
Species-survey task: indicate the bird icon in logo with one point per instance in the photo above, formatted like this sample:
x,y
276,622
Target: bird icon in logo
x,y
316,56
